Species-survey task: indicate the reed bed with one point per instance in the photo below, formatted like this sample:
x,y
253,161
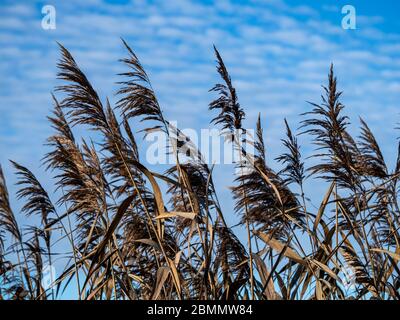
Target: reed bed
x,y
126,239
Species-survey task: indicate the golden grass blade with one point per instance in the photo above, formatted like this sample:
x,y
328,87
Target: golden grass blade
x,y
280,247
395,256
322,207
172,214
162,275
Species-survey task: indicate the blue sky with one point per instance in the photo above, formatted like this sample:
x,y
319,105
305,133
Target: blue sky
x,y
278,53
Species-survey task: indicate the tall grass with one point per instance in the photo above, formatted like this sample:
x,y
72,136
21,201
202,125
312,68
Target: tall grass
x,y
129,240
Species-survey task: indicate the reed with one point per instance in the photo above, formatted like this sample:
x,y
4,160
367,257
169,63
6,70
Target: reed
x,y
126,239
